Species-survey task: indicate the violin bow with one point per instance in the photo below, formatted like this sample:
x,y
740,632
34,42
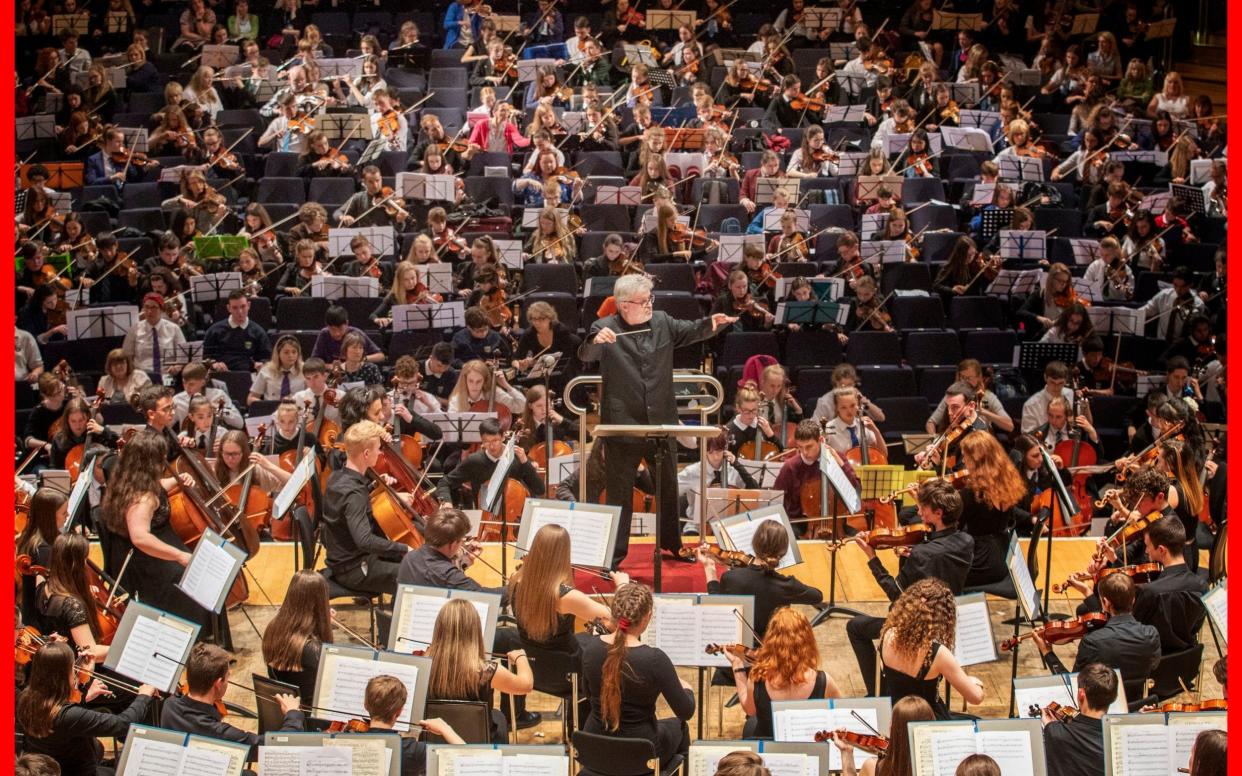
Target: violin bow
x,y
117,582
229,149
805,240
354,633
909,166
749,627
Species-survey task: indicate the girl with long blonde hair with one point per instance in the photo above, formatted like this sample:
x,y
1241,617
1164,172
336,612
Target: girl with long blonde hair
x,y
785,668
624,678
916,647
991,491
460,670
474,383
545,602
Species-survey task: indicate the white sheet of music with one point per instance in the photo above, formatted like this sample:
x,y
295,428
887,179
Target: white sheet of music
x,y
211,571
921,740
590,531
346,679
1182,733
682,629
535,765
1142,750
305,761
950,748
417,619
742,534
704,758
1011,749
1216,601
973,642
791,764
165,636
801,725
369,756
160,758
449,761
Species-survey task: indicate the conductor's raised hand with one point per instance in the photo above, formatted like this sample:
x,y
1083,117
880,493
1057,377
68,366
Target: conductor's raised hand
x,y
720,319
605,336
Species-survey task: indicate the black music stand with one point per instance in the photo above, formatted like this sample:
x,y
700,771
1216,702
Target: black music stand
x,y
1068,507
832,478
496,505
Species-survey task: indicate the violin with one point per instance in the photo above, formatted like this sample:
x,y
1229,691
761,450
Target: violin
x,y
752,84
353,725
1141,573
1060,632
944,442
1068,298
877,745
697,239
749,654
495,304
731,558
448,240
919,163
389,124
888,538
302,123
951,112
749,306
1212,704
1057,711
803,102
633,17
1150,454
387,196
458,145
124,157
226,159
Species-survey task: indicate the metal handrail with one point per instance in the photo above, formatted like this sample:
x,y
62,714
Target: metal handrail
x,y
685,378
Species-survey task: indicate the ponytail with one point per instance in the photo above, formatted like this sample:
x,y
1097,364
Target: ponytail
x,y
630,604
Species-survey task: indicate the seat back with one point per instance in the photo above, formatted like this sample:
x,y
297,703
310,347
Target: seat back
x,y
471,719
613,756
1175,671
271,718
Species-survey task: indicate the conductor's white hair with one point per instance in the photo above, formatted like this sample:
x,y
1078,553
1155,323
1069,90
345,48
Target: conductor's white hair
x,y
630,286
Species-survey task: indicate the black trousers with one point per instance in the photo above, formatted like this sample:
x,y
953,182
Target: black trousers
x,y
862,631
380,576
622,457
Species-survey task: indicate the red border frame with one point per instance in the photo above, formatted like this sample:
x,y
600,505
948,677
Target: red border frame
x,y
1234,246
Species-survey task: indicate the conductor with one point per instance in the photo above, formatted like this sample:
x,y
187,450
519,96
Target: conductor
x,y
634,349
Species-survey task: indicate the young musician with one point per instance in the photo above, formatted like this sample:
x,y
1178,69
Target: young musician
x,y
717,454
1076,745
748,426
802,468
991,491
1123,642
194,385
845,431
292,641
916,648
961,409
460,670
898,760
785,668
137,514
993,412
360,556
207,680
477,468
624,677
945,554
57,725
384,698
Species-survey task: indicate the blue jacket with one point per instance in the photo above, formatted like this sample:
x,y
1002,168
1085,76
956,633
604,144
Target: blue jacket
x,y
96,173
452,24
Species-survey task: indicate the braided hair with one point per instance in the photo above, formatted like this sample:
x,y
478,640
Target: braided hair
x,y
631,604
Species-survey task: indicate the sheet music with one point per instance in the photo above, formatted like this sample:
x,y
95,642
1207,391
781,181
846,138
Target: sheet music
x,y
150,635
921,738
450,760
704,758
590,532
682,629
416,619
346,679
535,765
742,535
152,758
1137,752
370,757
1182,739
305,760
973,642
1216,601
210,573
1011,749
950,748
236,758
801,725
791,764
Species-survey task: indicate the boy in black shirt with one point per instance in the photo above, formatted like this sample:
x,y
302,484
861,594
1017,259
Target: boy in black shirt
x,y
1076,747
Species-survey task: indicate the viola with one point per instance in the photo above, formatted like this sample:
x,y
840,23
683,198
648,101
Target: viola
x,y
749,654
1060,632
877,745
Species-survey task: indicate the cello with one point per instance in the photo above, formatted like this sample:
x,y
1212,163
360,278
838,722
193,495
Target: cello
x,y
73,459
513,501
884,514
191,515
410,445
282,528
1075,454
255,505
207,489
399,522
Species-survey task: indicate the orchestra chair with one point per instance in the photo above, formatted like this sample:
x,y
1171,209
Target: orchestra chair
x,y
281,189
471,719
483,188
308,537
976,312
812,348
932,217
873,347
448,78
916,191
917,312
550,278
558,674
912,276
1175,673
331,192
1067,221
677,276
411,341
679,305
611,756
887,381
136,195
934,381
605,218
989,346
449,96
271,718
932,348
360,309
145,220
741,345
301,313
281,164
599,163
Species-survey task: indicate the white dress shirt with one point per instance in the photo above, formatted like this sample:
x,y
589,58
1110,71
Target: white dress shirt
x,y
140,341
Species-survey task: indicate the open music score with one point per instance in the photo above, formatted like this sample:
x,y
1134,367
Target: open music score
x,y
1017,745
682,625
1154,744
344,671
152,751
151,645
592,526
415,608
799,721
